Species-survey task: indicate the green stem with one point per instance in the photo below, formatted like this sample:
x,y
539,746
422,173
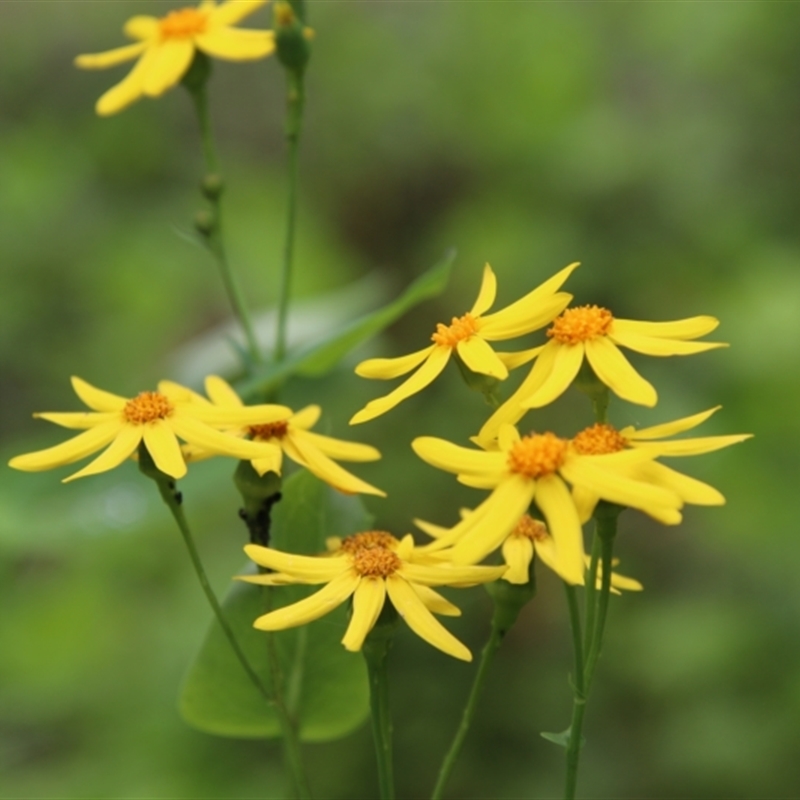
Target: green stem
x,y
574,741
295,100
212,189
375,653
606,530
591,592
489,650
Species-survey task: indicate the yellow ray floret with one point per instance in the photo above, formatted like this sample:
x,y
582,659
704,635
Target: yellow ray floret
x,y
533,469
369,567
469,336
604,438
593,333
165,48
158,419
289,435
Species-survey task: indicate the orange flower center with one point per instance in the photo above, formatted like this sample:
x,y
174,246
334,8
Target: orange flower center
x,y
579,324
369,540
530,528
459,329
182,23
537,454
598,440
147,407
269,430
376,562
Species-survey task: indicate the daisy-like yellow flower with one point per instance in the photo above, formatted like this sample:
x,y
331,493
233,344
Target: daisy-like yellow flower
x,y
469,337
165,48
603,439
369,566
533,469
530,537
290,435
156,418
592,332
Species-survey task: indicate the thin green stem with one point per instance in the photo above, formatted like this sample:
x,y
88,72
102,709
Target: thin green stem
x,y
487,655
375,653
579,696
295,101
607,543
212,229
591,592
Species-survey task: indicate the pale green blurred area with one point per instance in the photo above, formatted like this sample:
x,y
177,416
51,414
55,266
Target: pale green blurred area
x,y
656,143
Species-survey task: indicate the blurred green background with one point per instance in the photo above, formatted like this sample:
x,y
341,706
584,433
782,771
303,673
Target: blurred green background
x,y
657,143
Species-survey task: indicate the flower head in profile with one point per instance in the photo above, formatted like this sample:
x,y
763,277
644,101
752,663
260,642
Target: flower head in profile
x,y
602,439
533,469
593,333
468,337
529,538
116,425
166,46
369,567
290,435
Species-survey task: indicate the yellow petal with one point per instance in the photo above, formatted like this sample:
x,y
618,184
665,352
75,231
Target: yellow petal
x,y
479,357
555,502
269,463
490,523
311,569
507,437
567,362
388,368
79,420
487,293
326,469
234,11
368,600
311,608
518,554
123,446
178,393
425,375
234,44
221,393
307,418
129,89
585,502
241,416
486,480
669,428
448,574
217,442
161,443
691,328
452,458
434,531
514,360
434,602
80,446
530,312
657,346
421,621
97,399
110,58
696,446
168,64
690,490
623,582
336,448
546,552
615,371
141,27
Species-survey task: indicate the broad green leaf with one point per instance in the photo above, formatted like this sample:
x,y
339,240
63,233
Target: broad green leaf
x,y
321,357
324,685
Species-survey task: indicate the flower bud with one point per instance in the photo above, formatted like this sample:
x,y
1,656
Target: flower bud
x,y
212,186
204,222
509,600
259,493
291,38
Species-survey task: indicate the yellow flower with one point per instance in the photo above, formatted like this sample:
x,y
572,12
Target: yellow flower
x,y
533,469
368,566
528,537
156,418
468,336
603,438
290,434
593,332
165,48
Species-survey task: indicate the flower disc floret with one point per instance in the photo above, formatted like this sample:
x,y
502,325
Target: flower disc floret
x,y
182,22
599,439
376,562
368,540
270,430
147,407
580,324
537,454
530,528
458,330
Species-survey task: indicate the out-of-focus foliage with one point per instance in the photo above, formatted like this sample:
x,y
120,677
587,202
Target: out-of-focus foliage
x,y
655,142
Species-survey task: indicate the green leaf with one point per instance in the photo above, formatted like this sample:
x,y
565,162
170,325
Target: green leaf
x,y
323,356
324,685
561,739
